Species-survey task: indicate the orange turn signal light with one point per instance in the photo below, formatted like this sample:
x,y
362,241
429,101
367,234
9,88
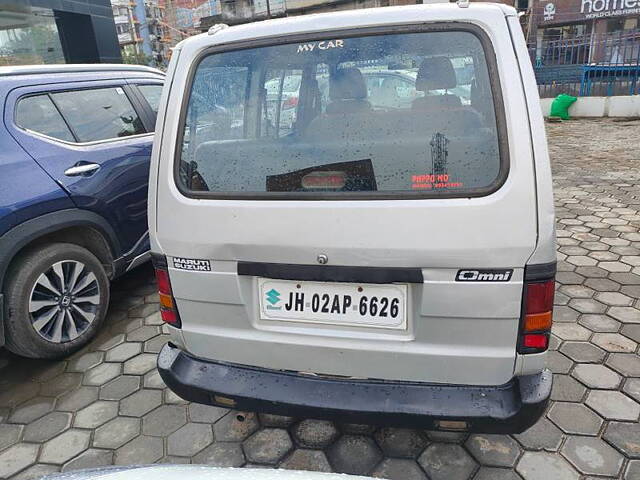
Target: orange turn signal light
x,y
166,300
534,322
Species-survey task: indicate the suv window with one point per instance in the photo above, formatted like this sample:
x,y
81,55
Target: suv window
x,y
152,94
98,114
404,114
40,115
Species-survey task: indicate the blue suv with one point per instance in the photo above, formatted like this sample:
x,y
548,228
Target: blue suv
x,y
76,142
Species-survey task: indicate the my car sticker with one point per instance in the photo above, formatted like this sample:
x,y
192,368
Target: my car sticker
x,y
323,45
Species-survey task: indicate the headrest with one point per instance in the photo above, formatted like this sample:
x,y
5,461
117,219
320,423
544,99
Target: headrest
x,y
347,84
436,73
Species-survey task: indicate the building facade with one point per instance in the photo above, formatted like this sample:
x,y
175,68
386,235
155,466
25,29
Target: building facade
x,y
127,26
57,31
242,11
142,31
586,32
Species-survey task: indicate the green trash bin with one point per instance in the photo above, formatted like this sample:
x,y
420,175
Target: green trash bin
x,y
560,106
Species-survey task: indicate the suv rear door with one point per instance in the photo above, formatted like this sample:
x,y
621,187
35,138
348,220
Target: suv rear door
x,y
100,152
461,330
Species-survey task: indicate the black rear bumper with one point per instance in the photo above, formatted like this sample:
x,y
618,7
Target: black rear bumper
x,y
509,408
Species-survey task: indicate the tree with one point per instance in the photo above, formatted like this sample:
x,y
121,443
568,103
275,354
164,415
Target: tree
x,y
136,58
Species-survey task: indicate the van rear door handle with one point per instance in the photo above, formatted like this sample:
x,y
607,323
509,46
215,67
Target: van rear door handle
x,y
84,169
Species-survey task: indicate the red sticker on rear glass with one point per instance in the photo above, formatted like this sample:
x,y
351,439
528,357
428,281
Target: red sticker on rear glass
x,y
433,182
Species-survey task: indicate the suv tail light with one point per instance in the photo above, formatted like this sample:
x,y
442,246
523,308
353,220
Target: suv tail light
x,y
168,309
537,309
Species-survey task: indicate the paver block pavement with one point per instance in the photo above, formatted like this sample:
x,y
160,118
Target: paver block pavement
x,y
593,456
120,388
17,458
315,433
139,451
627,364
65,446
307,460
36,472
221,454
399,469
567,389
633,470
205,413
123,352
269,446
575,418
545,466
583,352
494,450
140,403
85,361
613,405
77,399
60,384
632,388
47,427
164,420
543,435
102,374
625,437
153,379
91,458
96,414
614,342
18,393
401,442
444,461
189,439
116,433
140,364
594,357
9,435
596,376
235,426
354,454
492,473
31,410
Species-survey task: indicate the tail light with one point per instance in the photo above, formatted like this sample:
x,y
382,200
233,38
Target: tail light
x,y
537,311
168,309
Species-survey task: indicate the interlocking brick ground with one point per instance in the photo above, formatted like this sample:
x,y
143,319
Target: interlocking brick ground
x,y
107,404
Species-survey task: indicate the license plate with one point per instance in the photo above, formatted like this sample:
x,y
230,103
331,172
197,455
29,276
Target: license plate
x,y
354,304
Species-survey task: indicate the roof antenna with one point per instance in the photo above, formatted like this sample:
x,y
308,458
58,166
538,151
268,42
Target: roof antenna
x,y
463,3
218,27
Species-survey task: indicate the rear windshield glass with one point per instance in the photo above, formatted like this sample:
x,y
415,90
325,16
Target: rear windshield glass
x,y
381,114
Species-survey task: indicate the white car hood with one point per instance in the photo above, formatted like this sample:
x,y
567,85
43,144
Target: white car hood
x,y
196,472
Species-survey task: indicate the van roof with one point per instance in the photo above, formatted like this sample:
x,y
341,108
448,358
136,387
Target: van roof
x,y
319,22
74,68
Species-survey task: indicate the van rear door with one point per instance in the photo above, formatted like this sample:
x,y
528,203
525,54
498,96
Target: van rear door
x,y
287,163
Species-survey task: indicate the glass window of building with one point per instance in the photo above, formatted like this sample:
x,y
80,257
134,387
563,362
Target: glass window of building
x,y
29,36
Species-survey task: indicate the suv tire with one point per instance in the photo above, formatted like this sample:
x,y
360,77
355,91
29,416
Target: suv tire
x,y
56,299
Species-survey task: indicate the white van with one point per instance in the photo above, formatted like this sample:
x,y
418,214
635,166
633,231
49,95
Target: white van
x,y
322,253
